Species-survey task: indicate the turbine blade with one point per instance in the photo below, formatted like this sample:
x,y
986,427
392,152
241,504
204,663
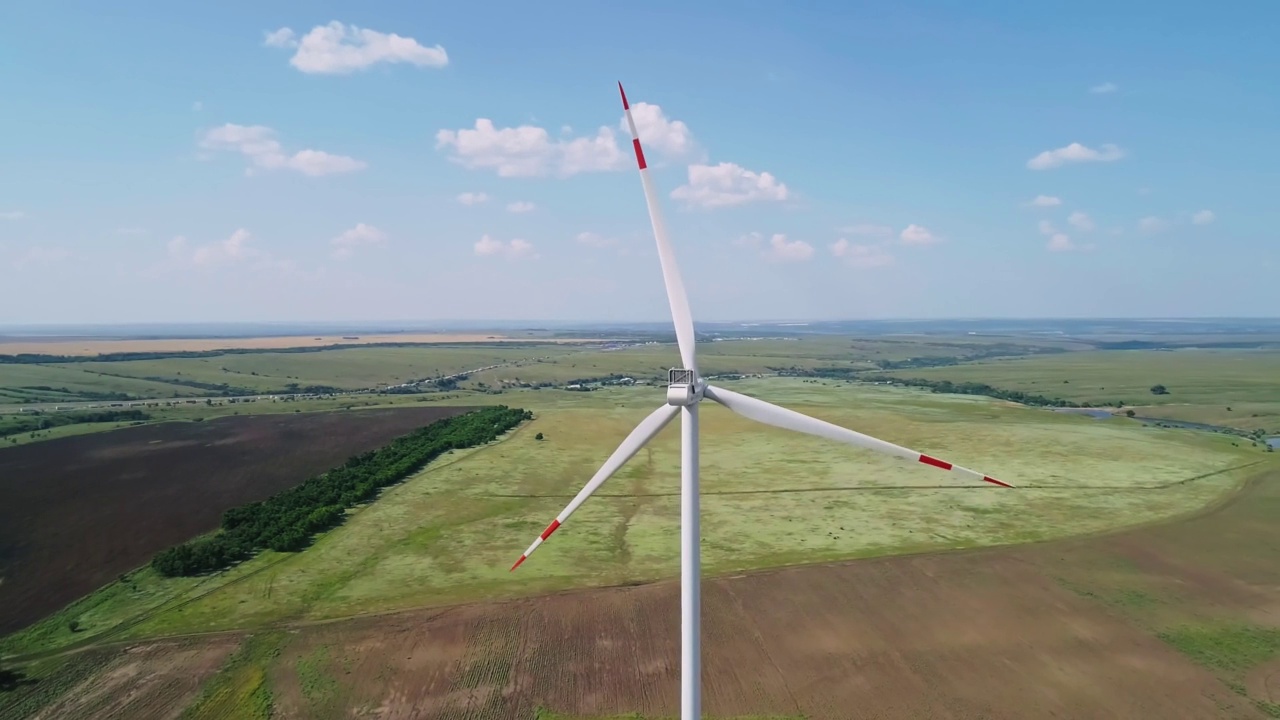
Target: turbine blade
x,y
641,435
680,313
771,414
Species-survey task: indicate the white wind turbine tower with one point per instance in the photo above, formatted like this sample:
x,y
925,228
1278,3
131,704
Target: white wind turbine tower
x,y
685,390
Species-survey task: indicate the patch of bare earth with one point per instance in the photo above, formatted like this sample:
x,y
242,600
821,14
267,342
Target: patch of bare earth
x,y
154,681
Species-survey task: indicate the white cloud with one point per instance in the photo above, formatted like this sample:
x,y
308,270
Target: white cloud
x,y
861,256
197,106
1104,88
259,145
345,244
472,198
594,240
1046,227
1045,201
1204,217
528,151
671,138
783,250
868,230
283,38
12,215
728,184
39,255
235,249
1074,153
511,250
521,206
1081,221
1060,243
917,235
338,49
1151,224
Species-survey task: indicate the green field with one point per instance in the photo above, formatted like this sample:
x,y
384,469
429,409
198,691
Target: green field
x,y
1235,388
770,498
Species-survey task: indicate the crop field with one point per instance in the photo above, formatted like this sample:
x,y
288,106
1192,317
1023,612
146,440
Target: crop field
x,y
1170,621
80,511
1235,388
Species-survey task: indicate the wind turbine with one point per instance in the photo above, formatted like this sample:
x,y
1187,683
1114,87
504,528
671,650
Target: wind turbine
x,y
685,389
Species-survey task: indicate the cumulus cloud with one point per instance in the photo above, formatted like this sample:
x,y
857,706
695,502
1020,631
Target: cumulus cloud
x,y
512,250
1046,227
669,138
1104,88
235,248
338,49
259,144
916,235
1204,217
1080,221
728,184
1074,153
1045,201
591,239
861,256
1151,224
777,248
12,215
521,206
783,250
1060,243
472,198
531,151
345,244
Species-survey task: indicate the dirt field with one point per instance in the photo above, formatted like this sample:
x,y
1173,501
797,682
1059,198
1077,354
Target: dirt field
x,y
98,346
103,504
1068,629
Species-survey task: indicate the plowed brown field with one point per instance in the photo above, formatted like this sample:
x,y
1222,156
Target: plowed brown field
x,y
1047,631
76,512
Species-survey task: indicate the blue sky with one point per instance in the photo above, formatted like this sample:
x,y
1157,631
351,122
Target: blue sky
x,y
198,162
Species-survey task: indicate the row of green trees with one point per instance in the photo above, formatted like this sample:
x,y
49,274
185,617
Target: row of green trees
x,y
288,521
31,422
974,388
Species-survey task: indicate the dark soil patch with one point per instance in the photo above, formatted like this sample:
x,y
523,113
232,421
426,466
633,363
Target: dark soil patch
x,y
79,511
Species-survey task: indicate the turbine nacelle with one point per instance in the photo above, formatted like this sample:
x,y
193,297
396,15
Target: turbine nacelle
x,y
684,387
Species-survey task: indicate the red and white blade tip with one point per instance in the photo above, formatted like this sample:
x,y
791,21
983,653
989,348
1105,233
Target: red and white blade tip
x,y
625,105
944,465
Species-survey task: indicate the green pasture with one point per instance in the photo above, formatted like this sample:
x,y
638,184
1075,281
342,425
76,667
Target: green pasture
x,y
19,385
348,368
770,498
1202,384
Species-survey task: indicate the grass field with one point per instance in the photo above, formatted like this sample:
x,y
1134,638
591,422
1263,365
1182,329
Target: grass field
x,y
770,498
1202,384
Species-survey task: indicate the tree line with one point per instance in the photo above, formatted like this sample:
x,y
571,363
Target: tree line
x,y
17,424
975,388
288,521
